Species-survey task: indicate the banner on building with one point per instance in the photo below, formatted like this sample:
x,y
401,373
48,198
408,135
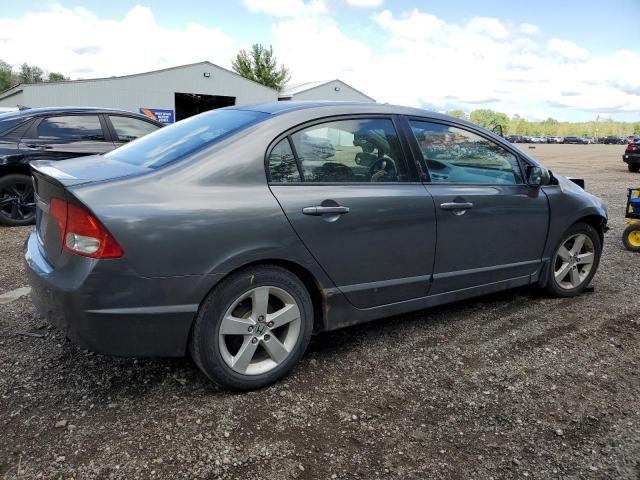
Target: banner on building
x,y
158,114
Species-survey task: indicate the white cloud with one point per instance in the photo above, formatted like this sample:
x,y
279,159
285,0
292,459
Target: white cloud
x,y
529,29
77,43
411,58
419,59
286,8
365,3
567,49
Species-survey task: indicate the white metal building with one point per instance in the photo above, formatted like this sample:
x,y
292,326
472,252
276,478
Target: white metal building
x,y
170,94
324,90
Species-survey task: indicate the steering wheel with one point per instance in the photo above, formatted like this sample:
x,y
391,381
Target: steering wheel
x,y
383,169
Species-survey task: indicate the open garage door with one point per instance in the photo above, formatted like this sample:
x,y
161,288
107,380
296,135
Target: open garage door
x,y
189,104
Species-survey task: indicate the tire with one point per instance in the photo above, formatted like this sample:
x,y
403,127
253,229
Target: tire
x,y
17,203
568,275
239,296
631,237
633,168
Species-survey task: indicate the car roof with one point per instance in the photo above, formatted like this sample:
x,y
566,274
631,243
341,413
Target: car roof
x,y
320,107
28,112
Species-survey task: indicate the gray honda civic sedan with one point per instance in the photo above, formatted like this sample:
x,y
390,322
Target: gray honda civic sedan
x,y
236,234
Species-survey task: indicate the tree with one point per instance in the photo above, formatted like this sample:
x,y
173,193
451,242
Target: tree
x,y
56,77
489,119
261,66
30,74
7,78
458,114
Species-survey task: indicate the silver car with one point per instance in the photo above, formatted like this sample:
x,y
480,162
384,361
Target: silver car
x,y
236,234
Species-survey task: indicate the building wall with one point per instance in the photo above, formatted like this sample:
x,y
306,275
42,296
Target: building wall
x,y
149,90
328,92
13,100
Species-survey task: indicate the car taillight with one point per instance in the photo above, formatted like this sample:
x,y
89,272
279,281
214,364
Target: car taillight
x,y
633,148
81,233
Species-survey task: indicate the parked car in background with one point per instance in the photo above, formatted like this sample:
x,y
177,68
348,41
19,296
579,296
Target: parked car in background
x,y
55,134
573,140
538,140
585,140
631,155
611,140
555,139
225,237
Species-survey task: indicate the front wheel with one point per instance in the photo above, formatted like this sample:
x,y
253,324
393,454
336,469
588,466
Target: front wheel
x,y
17,203
252,328
575,261
633,168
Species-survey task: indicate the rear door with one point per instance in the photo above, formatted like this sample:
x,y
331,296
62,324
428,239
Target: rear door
x,y
346,188
58,137
492,227
125,129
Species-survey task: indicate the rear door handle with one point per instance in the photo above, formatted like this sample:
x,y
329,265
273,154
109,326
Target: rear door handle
x,y
456,205
319,210
39,147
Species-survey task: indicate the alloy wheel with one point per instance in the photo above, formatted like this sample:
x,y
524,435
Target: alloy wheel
x,y
573,261
259,330
17,200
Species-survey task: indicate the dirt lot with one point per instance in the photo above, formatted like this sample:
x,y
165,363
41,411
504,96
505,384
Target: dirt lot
x,y
508,386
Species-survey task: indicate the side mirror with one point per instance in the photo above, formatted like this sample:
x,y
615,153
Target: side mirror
x,y
537,176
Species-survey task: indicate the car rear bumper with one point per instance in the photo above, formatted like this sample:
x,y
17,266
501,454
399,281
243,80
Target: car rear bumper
x,y
631,158
109,309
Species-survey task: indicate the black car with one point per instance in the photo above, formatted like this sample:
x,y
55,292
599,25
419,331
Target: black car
x,y
611,140
573,140
632,155
55,134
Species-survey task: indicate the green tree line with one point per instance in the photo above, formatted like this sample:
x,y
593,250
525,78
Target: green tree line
x,y
550,127
26,74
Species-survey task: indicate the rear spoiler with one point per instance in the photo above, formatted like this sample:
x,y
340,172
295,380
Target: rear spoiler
x,y
49,169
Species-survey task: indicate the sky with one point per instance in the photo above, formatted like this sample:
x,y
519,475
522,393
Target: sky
x,y
571,60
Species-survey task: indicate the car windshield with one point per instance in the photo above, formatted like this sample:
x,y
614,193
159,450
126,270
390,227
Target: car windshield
x,y
177,141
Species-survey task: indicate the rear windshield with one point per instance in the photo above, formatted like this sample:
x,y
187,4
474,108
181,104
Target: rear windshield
x,y
181,139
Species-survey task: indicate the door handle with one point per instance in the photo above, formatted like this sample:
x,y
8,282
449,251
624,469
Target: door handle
x,y
38,147
456,205
319,210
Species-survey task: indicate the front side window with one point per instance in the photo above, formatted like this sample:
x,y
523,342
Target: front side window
x,y
457,156
177,141
350,151
71,127
128,128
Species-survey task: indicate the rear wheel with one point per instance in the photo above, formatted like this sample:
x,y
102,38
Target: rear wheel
x,y
17,203
252,328
631,238
633,168
575,261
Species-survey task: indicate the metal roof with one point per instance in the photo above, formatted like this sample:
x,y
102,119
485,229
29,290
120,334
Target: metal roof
x,y
296,88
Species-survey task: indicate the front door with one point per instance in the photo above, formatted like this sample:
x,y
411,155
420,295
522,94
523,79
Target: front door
x,y
345,187
492,227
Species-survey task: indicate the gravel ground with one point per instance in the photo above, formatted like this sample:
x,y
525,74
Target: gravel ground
x,y
507,386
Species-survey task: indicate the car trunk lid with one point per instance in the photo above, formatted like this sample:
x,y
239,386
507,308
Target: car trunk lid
x,y
55,180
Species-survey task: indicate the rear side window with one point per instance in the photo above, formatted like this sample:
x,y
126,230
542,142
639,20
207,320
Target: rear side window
x,y
71,127
177,141
128,129
347,151
282,163
457,156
